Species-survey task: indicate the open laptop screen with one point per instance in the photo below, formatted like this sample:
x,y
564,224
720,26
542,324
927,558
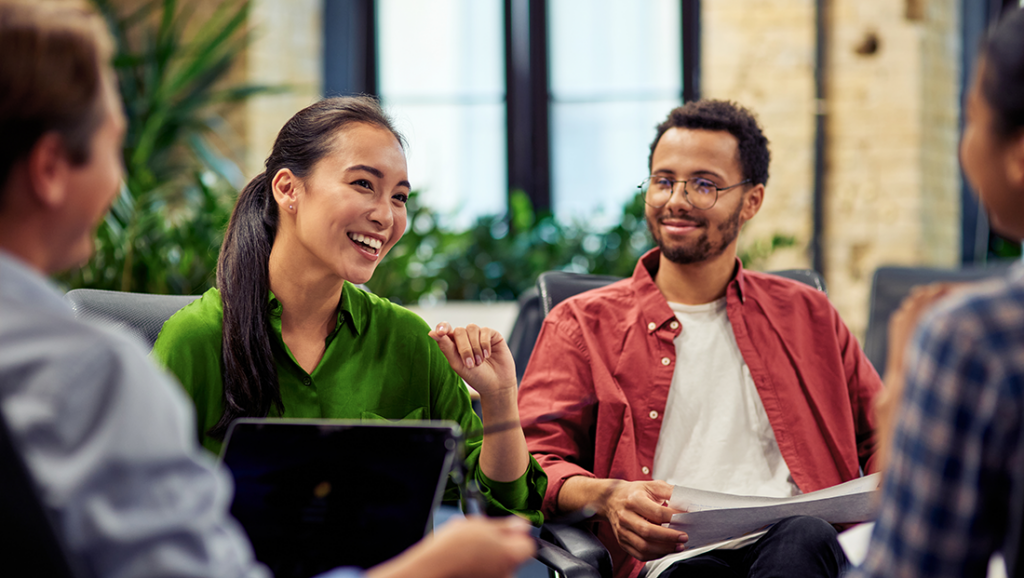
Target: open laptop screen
x,y
317,494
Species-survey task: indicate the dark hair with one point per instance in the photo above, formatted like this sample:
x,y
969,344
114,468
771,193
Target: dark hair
x,y
251,387
727,116
1003,82
53,61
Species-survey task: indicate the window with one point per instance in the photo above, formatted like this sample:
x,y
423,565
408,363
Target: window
x,y
558,98
615,73
441,71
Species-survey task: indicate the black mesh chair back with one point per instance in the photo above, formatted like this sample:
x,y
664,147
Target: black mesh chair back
x,y
557,286
139,313
525,331
890,285
26,533
805,276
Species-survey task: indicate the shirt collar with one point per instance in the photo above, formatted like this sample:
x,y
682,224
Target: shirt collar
x,y
653,304
24,283
345,312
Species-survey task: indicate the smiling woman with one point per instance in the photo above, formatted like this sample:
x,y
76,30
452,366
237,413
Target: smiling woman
x,y
286,333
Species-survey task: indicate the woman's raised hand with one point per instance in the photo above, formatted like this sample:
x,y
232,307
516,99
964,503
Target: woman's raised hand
x,y
479,355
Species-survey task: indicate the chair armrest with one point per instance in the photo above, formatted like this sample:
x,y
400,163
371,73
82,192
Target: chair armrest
x,y
563,562
580,542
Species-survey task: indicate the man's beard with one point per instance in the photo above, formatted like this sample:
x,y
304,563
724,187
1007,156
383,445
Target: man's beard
x,y
701,249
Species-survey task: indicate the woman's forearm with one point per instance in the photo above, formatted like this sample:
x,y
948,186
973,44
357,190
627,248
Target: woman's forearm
x,y
503,456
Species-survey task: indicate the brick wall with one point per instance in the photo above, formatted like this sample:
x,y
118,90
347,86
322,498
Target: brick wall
x,y
892,182
287,51
760,53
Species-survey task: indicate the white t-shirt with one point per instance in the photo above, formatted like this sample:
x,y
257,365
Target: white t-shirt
x,y
715,434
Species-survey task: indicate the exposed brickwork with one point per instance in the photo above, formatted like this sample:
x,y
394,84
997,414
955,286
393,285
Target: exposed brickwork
x,y
760,53
287,51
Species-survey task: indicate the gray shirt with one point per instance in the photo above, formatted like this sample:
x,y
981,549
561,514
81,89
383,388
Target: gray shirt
x,y
110,443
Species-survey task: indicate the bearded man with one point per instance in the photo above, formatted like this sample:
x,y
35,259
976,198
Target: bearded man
x,y
696,372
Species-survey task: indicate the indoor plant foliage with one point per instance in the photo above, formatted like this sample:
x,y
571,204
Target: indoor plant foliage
x,y
164,230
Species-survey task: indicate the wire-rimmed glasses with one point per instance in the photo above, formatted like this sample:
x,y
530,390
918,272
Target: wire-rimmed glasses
x,y
700,193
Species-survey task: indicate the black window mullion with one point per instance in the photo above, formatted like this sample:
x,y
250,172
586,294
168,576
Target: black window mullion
x,y
690,27
527,100
350,47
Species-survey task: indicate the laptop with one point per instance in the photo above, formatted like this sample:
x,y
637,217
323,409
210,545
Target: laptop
x,y
317,494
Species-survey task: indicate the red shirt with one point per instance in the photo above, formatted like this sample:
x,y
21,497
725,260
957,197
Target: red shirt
x,y
594,392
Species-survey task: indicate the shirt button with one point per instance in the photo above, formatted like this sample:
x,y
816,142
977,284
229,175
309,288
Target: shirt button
x,y
645,470
651,326
654,414
674,325
307,381
665,361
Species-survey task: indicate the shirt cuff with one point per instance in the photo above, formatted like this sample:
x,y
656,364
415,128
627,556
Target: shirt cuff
x,y
522,496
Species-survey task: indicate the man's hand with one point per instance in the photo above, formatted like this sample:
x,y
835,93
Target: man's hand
x,y
635,510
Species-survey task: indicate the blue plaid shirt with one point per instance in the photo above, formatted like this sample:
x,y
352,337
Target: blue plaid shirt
x,y
954,490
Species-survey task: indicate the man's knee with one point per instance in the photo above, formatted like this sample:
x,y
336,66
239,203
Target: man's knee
x,y
805,530
799,546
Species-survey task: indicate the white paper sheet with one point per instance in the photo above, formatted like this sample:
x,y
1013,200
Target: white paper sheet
x,y
712,517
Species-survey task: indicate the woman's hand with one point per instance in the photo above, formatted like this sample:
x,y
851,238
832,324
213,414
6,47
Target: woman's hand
x,y
902,325
480,356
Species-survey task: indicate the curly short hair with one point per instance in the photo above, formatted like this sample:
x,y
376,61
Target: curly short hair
x,y
727,116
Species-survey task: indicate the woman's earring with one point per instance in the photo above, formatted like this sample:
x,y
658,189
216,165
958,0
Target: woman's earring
x,y
291,207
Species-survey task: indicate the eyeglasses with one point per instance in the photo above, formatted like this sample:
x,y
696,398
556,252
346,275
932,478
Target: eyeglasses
x,y
700,193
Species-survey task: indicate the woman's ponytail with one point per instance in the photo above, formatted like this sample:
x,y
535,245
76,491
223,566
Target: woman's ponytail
x,y
250,377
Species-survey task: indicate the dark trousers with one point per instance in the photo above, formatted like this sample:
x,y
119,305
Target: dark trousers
x,y
797,547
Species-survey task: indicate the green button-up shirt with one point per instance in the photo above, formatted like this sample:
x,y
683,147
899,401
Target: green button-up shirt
x,y
379,363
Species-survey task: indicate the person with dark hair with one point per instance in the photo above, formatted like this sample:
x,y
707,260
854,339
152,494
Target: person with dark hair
x,y
953,493
105,437
287,333
698,373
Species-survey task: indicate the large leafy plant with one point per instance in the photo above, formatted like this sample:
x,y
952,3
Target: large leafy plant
x,y
165,228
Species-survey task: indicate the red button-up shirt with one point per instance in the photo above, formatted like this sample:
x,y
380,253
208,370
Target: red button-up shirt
x,y
593,395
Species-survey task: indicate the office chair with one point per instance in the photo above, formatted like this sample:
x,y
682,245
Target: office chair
x,y
524,332
890,285
141,314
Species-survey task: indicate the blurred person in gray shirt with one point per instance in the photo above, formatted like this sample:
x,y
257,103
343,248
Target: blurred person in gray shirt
x,y
107,439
